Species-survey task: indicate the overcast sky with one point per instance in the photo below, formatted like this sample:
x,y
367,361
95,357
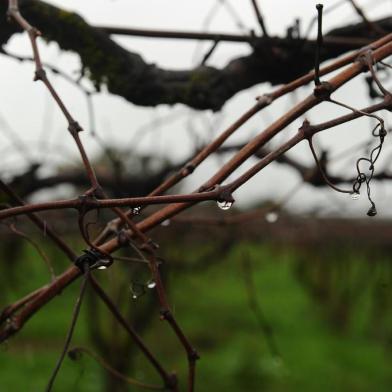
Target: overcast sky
x,y
29,112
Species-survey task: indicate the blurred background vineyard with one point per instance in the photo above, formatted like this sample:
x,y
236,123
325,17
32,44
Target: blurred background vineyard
x,y
323,300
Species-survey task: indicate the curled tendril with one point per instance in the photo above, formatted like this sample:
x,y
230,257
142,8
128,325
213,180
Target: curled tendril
x,y
380,132
322,171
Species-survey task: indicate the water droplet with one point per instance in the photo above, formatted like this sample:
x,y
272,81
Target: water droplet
x,y
271,217
224,205
137,290
372,211
355,195
103,264
151,284
102,267
166,222
136,210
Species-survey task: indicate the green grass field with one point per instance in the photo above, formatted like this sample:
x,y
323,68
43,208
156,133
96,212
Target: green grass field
x,y
212,307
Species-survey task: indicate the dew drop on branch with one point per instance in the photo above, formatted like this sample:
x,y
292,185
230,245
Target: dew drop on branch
x,y
136,210
372,211
151,284
166,222
137,290
355,195
102,267
224,205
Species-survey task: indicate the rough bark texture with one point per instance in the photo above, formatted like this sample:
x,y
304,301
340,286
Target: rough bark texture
x,y
274,60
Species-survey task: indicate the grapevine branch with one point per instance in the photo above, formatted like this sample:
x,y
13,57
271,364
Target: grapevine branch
x,y
169,211
134,234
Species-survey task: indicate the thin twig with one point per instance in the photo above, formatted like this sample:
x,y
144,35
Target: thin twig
x,y
319,7
372,26
40,251
170,380
75,352
257,310
259,17
71,329
40,74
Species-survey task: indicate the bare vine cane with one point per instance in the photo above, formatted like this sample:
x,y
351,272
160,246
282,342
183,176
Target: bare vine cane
x,y
40,74
87,202
149,247
368,59
98,261
170,380
167,314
